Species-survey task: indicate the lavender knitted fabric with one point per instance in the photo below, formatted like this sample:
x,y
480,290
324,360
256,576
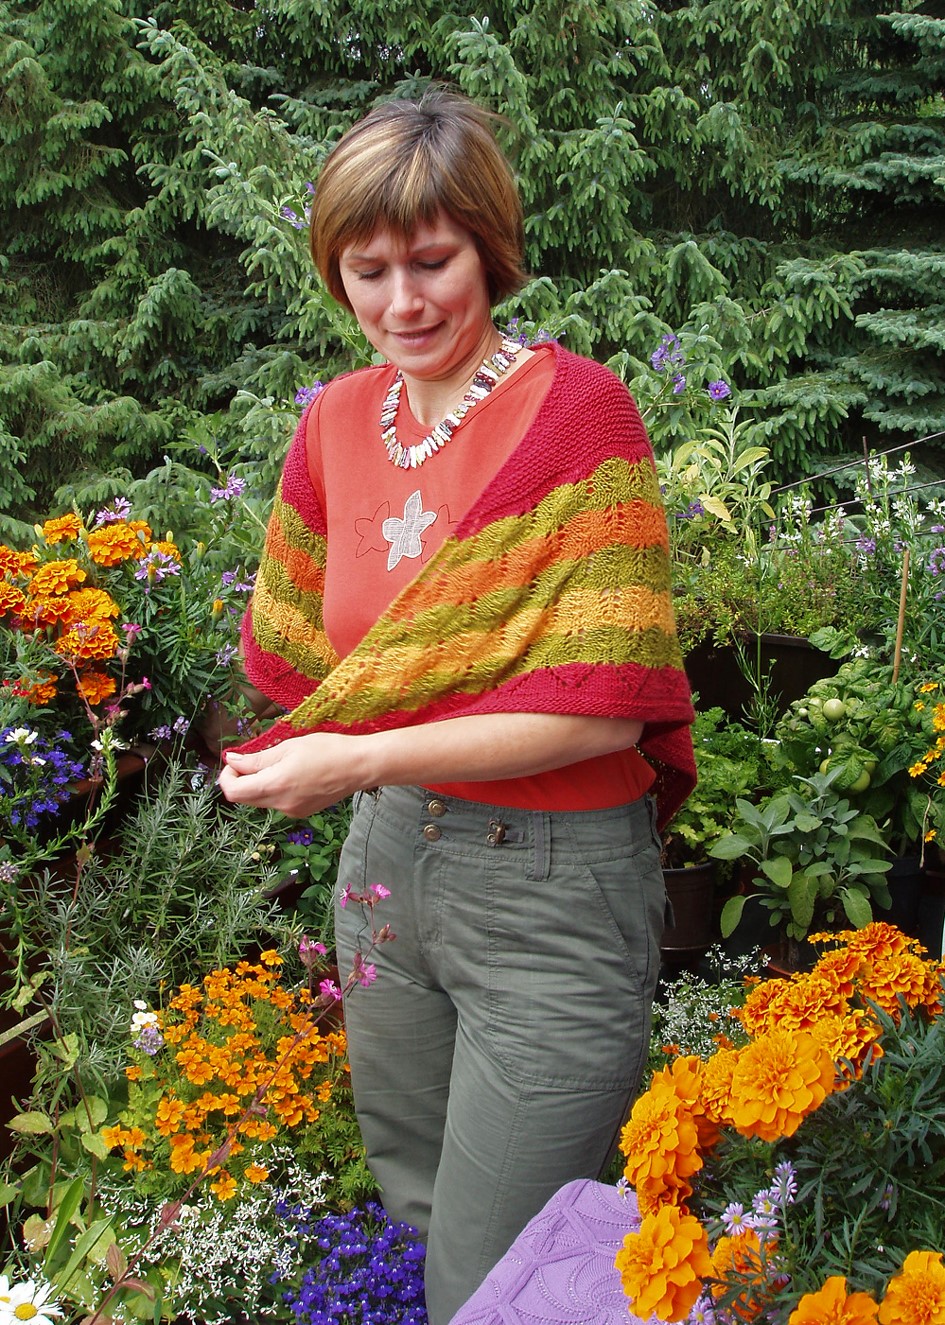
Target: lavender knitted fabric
x,y
560,1269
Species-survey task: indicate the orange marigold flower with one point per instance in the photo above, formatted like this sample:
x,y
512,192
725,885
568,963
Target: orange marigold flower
x,y
902,974
51,611
778,1080
133,1073
916,1296
224,1187
255,1173
112,1136
738,1262
183,1157
91,606
118,542
168,548
38,692
663,1265
94,687
660,1140
848,1036
168,1115
56,577
717,1084
833,1305
62,529
87,642
270,957
12,599
10,561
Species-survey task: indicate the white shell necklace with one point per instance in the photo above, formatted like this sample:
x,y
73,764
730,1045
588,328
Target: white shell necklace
x,y
487,375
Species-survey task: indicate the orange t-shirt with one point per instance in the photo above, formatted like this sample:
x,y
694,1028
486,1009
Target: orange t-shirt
x,y
384,523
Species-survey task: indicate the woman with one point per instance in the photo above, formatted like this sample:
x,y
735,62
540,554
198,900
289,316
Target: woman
x,y
472,623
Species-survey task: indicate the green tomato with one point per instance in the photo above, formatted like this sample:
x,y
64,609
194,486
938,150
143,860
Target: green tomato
x,y
834,709
861,783
825,764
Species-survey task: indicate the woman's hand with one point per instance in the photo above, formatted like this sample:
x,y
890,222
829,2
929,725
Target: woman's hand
x,y
299,777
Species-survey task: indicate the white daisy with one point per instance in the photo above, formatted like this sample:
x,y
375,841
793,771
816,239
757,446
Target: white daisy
x,y
27,1302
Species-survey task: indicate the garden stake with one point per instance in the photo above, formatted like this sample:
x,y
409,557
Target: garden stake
x,y
897,655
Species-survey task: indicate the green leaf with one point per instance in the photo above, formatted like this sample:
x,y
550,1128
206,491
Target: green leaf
x,y
807,823
779,870
67,1208
93,1143
83,1245
32,1123
731,847
731,915
801,896
857,908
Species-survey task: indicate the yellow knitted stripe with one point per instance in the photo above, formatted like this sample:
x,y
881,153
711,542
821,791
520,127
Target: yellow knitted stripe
x,y
292,631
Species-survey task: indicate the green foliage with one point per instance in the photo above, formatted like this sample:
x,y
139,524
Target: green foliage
x,y
769,176
816,859
729,764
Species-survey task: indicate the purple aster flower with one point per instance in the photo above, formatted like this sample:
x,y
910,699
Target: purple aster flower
x,y
155,567
306,394
149,1039
719,390
226,655
733,1218
120,509
235,487
936,561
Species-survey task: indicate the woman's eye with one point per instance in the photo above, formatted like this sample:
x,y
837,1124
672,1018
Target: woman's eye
x,y
368,275
433,266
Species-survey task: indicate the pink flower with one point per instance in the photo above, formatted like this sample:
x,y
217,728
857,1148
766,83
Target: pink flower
x,y
309,950
329,989
380,891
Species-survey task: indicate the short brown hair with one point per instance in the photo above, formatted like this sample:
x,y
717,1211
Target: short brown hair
x,y
405,162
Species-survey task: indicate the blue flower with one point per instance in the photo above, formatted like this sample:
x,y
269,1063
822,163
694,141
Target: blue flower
x,y
719,390
371,1269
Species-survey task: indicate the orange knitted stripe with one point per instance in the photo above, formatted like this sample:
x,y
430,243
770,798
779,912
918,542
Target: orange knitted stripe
x,y
301,568
638,525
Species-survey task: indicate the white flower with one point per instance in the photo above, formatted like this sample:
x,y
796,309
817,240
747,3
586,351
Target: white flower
x,y
21,736
26,1302
140,1004
140,1019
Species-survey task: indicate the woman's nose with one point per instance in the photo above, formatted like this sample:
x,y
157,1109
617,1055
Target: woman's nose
x,y
405,296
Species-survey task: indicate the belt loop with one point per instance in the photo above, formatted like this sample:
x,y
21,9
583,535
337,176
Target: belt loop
x,y
541,846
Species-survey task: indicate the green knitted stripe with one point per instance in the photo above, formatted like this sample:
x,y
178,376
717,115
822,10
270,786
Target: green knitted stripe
x,y
309,661
284,591
650,649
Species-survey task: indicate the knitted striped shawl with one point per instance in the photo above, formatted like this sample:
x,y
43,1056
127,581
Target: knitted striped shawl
x,y
552,595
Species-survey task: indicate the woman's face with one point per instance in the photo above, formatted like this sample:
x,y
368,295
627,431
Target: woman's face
x,y
422,301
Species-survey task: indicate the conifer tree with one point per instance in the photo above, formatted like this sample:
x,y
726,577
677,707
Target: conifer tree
x,y
766,179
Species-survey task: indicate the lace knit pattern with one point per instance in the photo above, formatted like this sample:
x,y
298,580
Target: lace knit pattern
x,y
552,595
